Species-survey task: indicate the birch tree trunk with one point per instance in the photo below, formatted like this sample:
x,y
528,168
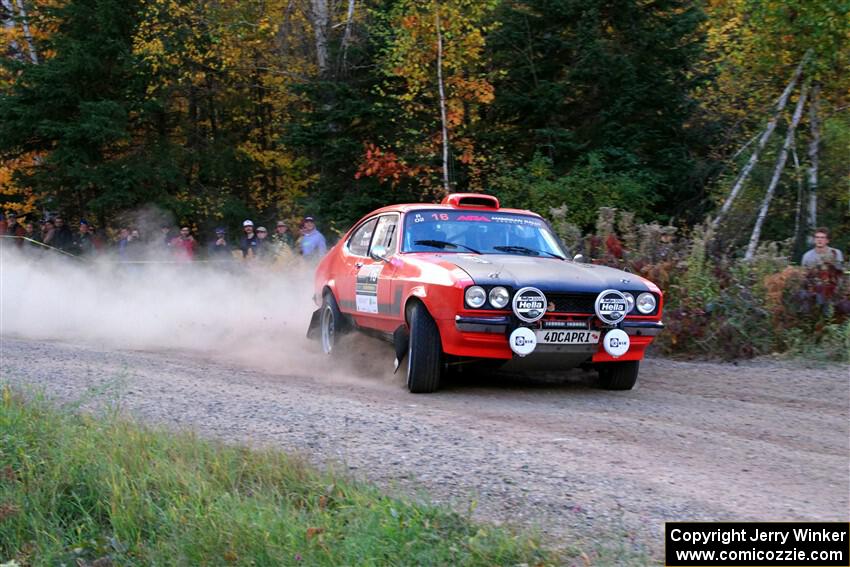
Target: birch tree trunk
x,y
768,132
777,173
285,28
321,17
346,36
442,100
745,146
9,25
800,193
814,144
22,12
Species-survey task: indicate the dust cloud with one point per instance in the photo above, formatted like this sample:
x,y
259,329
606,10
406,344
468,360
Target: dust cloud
x,y
250,314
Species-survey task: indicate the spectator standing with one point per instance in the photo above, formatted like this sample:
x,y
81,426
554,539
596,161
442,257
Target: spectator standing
x,y
282,239
313,244
32,242
96,240
248,244
123,240
263,250
183,246
165,232
14,228
85,240
48,231
31,234
219,249
822,253
134,245
62,238
2,223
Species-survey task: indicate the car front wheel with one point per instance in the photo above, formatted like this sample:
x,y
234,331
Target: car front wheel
x,y
330,324
618,375
424,351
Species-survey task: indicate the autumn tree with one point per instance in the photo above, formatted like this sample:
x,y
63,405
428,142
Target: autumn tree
x,y
606,79
752,49
223,72
83,111
435,71
25,27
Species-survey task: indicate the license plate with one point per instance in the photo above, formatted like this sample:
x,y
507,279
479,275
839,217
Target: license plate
x,y
565,337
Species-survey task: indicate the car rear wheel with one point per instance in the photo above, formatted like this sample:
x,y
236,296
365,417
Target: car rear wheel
x,y
618,375
424,351
330,324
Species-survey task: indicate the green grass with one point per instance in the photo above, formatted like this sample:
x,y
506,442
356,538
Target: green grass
x,y
76,488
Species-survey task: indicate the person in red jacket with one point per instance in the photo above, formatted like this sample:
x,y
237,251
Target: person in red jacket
x,y
183,246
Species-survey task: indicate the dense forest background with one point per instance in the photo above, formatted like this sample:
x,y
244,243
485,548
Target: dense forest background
x,y
221,110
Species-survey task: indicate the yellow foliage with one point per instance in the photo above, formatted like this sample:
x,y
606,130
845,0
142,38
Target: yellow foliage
x,y
232,56
753,46
413,57
13,197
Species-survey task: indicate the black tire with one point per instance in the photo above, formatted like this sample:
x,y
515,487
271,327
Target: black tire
x,y
424,351
330,323
618,375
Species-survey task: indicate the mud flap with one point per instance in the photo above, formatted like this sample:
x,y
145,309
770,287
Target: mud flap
x,y
401,337
313,329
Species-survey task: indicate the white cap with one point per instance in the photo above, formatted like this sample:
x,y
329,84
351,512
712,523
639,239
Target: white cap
x,y
248,222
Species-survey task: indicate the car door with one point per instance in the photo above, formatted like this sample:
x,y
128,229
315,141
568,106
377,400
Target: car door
x,y
354,255
374,284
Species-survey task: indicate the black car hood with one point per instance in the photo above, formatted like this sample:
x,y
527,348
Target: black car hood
x,y
546,274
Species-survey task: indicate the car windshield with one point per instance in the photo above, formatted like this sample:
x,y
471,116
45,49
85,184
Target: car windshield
x,y
479,232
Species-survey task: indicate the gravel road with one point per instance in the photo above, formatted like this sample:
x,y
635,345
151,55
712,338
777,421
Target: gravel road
x,y
695,441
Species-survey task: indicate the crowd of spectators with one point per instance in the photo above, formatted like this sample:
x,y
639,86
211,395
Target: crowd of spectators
x,y
129,244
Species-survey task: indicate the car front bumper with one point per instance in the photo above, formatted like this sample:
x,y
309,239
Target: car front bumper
x,y
485,336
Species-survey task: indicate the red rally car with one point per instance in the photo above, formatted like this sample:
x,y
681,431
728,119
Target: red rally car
x,y
467,281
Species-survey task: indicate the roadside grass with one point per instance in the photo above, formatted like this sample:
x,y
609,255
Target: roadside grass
x,y
78,489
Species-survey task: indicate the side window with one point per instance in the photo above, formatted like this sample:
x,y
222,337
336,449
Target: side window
x,y
358,244
385,233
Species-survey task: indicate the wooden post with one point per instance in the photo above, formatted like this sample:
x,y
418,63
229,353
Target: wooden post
x,y
777,173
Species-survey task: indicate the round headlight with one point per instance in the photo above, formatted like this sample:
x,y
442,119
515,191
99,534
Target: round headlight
x,y
646,303
499,297
630,299
476,296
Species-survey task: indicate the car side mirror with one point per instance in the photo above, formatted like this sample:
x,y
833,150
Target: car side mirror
x,y
379,253
578,258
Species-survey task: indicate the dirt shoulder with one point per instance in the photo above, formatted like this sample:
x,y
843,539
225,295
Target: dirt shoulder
x,y
695,441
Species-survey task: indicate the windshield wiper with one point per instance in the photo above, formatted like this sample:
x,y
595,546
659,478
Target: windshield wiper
x,y
527,251
444,244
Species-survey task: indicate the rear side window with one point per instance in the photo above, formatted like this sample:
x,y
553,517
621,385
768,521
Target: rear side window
x,y
358,244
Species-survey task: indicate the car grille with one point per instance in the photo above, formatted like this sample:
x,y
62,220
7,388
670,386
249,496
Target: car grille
x,y
573,302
